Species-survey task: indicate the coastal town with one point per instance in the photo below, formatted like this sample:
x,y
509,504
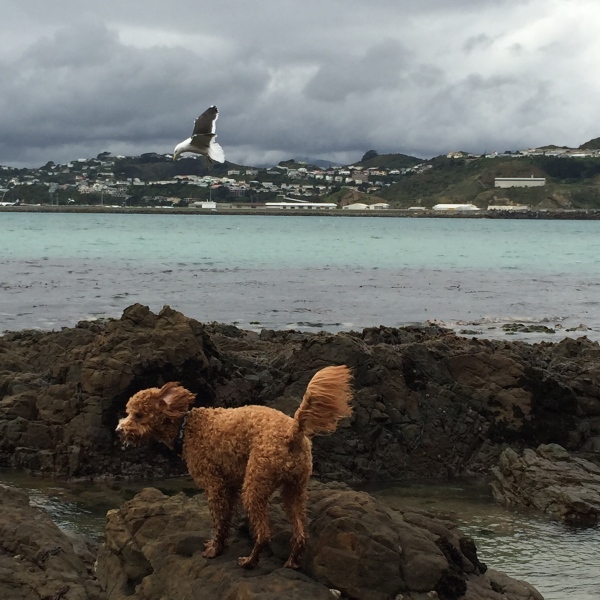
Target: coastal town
x,y
92,177
155,180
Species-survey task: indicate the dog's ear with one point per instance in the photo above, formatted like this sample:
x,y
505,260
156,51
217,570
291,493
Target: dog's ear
x,y
174,399
169,392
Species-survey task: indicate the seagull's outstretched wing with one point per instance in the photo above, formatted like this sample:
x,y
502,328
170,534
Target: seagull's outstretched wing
x,y
206,122
215,152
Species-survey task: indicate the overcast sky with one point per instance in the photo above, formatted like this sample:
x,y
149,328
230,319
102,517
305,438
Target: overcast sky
x,y
329,79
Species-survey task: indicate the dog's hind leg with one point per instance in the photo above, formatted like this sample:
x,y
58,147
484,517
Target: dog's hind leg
x,y
221,503
293,498
255,498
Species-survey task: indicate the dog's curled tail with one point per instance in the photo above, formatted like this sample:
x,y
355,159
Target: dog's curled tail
x,y
325,402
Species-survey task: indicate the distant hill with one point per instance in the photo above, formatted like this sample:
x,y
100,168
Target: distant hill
x,y
572,178
391,161
292,163
152,167
317,162
591,145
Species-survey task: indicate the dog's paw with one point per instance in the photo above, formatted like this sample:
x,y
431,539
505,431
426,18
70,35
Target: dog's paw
x,y
291,563
212,550
247,562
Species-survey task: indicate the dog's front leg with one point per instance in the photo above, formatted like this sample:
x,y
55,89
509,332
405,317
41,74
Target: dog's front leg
x,y
250,561
221,503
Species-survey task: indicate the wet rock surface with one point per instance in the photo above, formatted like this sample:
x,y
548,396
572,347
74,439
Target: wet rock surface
x,y
357,546
549,480
37,560
358,549
428,403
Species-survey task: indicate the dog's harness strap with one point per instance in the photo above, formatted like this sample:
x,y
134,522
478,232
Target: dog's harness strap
x,y
178,444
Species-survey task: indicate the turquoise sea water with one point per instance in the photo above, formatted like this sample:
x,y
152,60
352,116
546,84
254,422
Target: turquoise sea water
x,y
317,272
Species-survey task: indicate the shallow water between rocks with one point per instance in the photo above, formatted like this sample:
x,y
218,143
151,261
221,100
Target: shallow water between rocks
x,y
562,562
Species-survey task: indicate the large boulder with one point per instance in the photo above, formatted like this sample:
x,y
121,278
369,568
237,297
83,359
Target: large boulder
x,y
37,560
356,546
428,403
550,480
61,393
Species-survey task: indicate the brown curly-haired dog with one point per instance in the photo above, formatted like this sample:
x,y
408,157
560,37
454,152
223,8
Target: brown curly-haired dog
x,y
246,452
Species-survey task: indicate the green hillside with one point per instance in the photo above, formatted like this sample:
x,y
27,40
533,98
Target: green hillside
x,y
570,182
591,145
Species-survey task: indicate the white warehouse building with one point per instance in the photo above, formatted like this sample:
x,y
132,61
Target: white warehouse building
x,y
363,206
455,207
294,204
507,182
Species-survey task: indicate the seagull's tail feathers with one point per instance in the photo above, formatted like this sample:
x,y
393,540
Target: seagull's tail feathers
x,y
215,152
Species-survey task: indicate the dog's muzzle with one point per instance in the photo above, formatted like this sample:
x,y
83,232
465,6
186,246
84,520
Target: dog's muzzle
x,y
125,440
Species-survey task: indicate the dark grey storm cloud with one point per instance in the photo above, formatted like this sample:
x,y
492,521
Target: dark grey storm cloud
x,y
321,79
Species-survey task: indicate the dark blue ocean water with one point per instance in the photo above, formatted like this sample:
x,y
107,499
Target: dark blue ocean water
x,y
311,273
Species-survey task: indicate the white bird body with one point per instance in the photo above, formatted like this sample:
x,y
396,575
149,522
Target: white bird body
x,y
203,137
213,150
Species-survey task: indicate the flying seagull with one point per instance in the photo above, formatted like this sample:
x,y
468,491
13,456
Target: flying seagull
x,y
203,138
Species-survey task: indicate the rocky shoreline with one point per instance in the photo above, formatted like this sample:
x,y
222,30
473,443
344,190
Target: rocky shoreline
x,y
428,404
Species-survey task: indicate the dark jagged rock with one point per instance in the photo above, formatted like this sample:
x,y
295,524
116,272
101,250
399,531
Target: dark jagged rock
x,y
428,403
37,560
357,546
550,480
62,392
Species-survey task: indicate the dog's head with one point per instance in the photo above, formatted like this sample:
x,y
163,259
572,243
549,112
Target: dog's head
x,y
154,414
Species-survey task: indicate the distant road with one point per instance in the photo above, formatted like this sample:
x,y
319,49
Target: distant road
x,y
591,214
